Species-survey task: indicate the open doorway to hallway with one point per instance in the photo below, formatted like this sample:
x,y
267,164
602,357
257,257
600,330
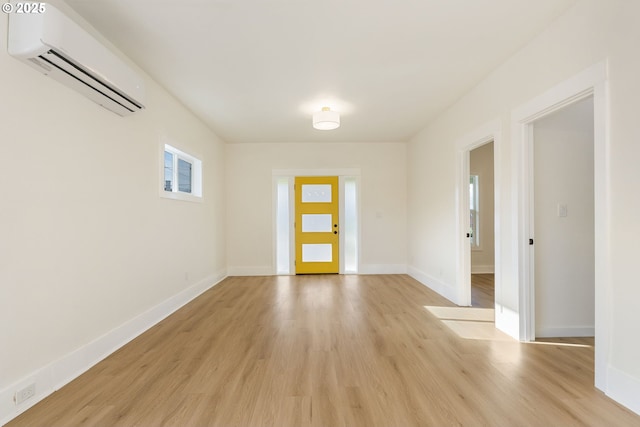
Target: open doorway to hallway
x,y
481,221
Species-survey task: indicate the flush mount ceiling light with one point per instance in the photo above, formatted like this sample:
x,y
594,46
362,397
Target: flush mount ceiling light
x,y
326,119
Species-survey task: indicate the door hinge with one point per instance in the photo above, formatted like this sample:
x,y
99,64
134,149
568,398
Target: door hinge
x,y
530,241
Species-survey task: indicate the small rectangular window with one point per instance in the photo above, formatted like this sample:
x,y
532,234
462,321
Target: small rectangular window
x,y
182,175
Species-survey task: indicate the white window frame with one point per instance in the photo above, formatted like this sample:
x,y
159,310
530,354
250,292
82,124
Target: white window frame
x,y
196,175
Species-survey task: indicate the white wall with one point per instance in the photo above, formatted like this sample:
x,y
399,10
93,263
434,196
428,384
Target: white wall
x,y
87,245
382,200
481,164
588,33
564,246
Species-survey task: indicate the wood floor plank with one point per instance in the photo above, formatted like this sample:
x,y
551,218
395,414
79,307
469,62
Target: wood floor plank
x,y
331,351
482,290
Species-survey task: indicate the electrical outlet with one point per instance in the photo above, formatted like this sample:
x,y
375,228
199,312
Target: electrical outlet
x,y
26,393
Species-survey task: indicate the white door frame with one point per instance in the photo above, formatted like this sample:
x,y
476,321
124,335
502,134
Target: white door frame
x,y
290,174
590,82
486,133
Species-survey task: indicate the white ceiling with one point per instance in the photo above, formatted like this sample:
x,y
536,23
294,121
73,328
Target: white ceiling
x,y
255,70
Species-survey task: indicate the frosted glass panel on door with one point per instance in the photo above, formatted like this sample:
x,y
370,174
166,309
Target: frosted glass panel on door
x,y
316,223
316,253
316,193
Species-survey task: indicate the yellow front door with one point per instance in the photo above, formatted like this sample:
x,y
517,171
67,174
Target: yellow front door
x,y
317,228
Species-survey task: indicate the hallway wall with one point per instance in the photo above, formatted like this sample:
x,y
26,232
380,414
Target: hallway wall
x,y
589,33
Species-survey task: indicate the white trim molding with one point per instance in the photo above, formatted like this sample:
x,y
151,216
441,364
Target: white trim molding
x,y
591,82
488,132
57,374
624,389
291,174
567,331
482,269
436,285
507,320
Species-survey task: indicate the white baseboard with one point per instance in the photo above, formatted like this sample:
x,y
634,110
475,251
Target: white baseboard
x,y
482,269
623,388
382,269
58,373
250,271
447,291
570,331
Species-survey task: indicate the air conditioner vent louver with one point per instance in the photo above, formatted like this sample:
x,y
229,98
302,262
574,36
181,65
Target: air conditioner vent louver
x,y
55,45
76,72
40,64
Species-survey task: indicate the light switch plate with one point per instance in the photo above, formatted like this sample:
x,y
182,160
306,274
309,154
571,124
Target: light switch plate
x,y
562,210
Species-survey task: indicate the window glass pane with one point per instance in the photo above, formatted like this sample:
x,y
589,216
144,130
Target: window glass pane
x,y
473,207
316,223
282,234
316,193
316,253
472,193
184,176
168,171
350,226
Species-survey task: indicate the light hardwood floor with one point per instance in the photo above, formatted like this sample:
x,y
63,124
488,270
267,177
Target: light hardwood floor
x,y
483,290
328,351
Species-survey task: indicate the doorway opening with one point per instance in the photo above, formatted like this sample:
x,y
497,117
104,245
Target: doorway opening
x,y
478,203
481,226
562,273
590,83
347,226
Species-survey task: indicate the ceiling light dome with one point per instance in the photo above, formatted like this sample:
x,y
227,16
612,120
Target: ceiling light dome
x,y
326,119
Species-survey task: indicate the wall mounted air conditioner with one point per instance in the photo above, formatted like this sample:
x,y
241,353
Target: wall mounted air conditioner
x,y
55,45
